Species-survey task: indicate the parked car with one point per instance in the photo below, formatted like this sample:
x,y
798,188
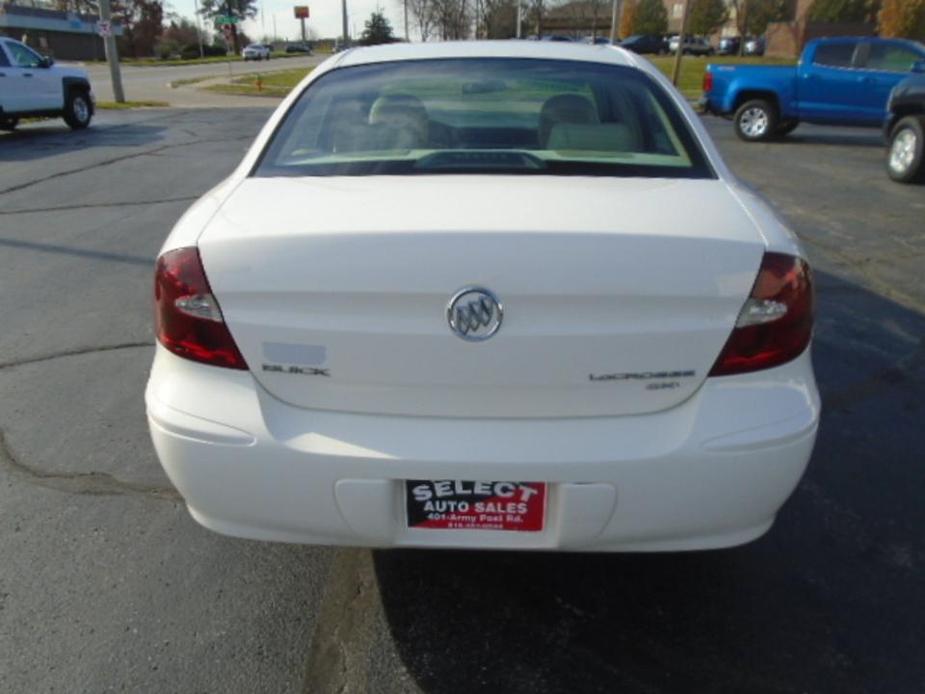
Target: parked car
x,y
693,45
32,85
299,47
839,81
529,372
645,43
755,46
557,37
596,40
905,128
729,45
257,51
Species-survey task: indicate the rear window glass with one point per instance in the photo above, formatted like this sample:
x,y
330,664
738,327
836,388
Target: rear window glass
x,y
835,54
484,116
892,57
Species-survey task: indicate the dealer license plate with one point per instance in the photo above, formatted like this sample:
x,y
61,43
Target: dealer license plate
x,y
468,505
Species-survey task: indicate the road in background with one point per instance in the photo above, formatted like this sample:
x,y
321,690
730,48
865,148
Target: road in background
x,y
106,583
152,83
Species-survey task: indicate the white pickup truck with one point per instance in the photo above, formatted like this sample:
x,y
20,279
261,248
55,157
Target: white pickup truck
x,y
32,85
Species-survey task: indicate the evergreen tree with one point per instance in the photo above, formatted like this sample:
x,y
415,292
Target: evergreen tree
x,y
378,30
706,16
650,17
240,9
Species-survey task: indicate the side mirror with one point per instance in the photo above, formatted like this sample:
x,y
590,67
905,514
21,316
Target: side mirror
x,y
918,66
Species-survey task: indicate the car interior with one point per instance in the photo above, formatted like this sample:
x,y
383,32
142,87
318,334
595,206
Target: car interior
x,y
565,122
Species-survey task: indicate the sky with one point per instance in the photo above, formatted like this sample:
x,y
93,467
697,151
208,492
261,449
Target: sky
x,y
325,17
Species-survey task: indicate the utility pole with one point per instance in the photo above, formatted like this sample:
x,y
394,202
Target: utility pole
x,y
614,21
520,16
407,36
744,26
202,50
112,53
343,10
676,72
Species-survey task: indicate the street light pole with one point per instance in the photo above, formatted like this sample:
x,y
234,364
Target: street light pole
x,y
676,72
343,9
112,53
614,20
202,50
520,16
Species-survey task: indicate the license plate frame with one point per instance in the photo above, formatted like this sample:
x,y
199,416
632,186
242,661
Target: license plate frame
x,y
476,505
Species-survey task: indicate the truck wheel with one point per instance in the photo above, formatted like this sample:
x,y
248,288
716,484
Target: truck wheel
x,y
756,121
904,157
785,127
77,110
9,124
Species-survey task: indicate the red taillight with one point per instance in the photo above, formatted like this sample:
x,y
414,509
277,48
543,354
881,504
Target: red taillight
x,y
188,320
707,82
776,323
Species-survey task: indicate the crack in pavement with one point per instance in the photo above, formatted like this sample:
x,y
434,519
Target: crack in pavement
x,y
82,483
115,160
84,169
884,379
345,637
85,483
75,352
91,205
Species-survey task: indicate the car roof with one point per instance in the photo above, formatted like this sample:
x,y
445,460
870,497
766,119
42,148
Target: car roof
x,y
512,48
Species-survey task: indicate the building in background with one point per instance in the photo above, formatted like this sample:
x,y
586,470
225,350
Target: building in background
x,y
62,35
786,39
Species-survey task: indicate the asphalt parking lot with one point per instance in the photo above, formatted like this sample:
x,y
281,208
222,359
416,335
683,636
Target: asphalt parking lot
x,y
106,584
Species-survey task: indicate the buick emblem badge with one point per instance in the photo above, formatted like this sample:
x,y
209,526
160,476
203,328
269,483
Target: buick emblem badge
x,y
474,314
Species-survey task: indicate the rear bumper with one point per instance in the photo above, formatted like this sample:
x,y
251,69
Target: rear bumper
x,y
711,472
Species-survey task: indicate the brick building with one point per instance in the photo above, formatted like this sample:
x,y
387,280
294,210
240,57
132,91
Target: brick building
x,y
62,35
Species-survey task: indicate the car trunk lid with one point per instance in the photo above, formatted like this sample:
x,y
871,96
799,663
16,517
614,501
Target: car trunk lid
x,y
618,294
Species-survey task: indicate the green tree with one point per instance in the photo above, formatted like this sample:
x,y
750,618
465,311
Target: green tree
x,y
142,24
650,17
706,16
844,10
753,16
378,30
240,9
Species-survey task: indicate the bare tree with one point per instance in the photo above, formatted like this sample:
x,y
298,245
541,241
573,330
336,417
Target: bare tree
x,y
499,19
423,15
453,19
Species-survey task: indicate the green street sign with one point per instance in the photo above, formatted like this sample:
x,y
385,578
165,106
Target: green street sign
x,y
227,19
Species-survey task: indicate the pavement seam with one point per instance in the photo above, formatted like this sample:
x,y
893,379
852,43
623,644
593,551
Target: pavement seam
x,y
83,483
94,205
350,619
115,160
91,483
75,352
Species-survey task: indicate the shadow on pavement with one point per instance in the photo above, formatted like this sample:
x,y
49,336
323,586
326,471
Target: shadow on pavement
x,y
52,138
834,137
829,601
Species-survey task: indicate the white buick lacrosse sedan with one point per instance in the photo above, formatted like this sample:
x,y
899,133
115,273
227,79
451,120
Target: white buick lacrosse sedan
x,y
495,295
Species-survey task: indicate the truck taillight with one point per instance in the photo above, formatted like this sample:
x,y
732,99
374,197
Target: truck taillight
x,y
776,323
707,82
188,320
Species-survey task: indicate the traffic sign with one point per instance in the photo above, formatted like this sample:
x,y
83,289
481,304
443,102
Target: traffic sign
x,y
301,11
226,19
104,28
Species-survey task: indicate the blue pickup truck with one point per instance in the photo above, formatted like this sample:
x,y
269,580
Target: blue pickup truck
x,y
838,81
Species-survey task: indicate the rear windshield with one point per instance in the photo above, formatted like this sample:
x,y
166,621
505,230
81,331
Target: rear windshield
x,y
517,116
